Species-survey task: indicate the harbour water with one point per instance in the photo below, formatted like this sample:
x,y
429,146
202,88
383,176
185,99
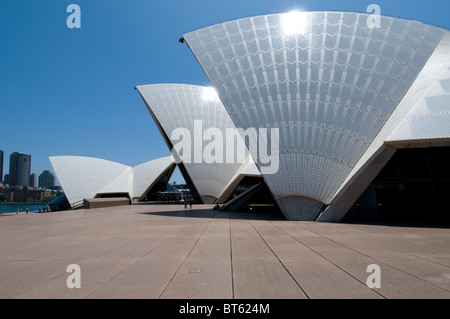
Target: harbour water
x,y
11,208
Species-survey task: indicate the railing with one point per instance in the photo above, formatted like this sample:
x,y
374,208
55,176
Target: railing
x,y
244,193
319,212
78,204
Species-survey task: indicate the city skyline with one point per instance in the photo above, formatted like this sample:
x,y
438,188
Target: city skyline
x,y
47,176
71,91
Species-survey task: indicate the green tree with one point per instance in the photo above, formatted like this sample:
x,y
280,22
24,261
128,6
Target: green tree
x,y
49,198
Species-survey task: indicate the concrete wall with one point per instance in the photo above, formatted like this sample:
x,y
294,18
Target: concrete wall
x,y
104,202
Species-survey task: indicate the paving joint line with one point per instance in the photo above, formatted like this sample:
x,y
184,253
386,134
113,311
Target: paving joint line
x,y
22,293
363,283
187,255
409,254
131,264
378,260
298,284
385,263
402,241
231,257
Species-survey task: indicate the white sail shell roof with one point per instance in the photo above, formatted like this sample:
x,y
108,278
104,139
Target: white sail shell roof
x,y
428,119
84,177
327,80
176,106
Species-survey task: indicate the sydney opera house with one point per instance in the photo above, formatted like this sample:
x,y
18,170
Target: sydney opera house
x,y
362,114
86,177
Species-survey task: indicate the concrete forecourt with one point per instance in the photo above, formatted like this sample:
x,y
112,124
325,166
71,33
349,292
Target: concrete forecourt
x,y
165,251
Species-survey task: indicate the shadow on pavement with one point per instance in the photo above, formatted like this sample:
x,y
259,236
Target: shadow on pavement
x,y
210,213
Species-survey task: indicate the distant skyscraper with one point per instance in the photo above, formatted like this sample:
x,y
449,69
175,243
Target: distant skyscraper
x,y
6,179
19,169
1,165
33,180
46,179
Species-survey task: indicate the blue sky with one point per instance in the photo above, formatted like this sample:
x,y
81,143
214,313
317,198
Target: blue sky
x,y
71,91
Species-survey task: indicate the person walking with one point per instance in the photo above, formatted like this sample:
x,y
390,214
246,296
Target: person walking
x,y
185,201
190,201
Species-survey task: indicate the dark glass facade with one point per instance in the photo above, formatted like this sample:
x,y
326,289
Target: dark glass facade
x,y
19,169
46,179
1,165
413,186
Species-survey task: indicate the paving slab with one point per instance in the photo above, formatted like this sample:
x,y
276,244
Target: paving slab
x,y
206,272
144,279
324,280
19,276
318,276
428,271
257,272
94,274
396,283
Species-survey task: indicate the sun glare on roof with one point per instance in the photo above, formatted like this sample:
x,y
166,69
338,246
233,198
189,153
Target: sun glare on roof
x,y
295,22
209,94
